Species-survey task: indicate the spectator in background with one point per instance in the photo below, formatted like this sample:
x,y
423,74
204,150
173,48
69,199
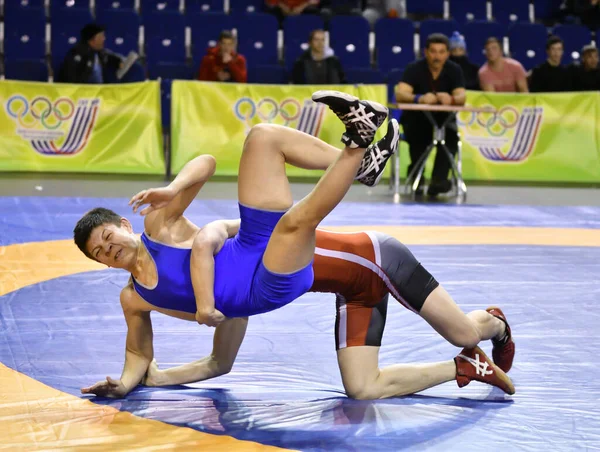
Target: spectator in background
x,y
376,9
501,74
284,8
318,65
432,80
550,76
458,54
222,63
88,61
586,76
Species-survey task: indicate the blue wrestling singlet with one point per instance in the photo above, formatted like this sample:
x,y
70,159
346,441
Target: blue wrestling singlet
x,y
243,286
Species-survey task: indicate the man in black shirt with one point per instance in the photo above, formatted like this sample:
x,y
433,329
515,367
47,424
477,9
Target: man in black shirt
x,y
586,77
550,76
432,80
88,61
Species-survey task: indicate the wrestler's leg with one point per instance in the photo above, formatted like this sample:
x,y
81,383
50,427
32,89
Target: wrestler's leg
x,y
262,181
363,379
458,328
418,290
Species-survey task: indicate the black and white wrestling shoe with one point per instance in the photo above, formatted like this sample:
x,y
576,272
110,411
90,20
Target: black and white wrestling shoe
x,y
362,118
377,155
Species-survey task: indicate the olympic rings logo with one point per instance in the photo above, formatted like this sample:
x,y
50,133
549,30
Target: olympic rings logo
x,y
51,115
267,110
496,124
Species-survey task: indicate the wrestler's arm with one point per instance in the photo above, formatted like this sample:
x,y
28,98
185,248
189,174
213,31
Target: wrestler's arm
x,y
173,199
208,242
139,351
226,343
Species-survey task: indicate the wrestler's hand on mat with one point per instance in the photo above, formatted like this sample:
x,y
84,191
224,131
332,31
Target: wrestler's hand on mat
x,y
210,318
156,197
107,388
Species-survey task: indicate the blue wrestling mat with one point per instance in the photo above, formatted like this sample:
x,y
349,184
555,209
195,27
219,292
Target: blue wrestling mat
x,y
285,389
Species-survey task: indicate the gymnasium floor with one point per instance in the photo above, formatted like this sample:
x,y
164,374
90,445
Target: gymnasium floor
x,y
534,252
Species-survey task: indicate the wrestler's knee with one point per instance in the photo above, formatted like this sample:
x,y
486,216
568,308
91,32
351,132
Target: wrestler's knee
x,y
297,220
466,337
260,134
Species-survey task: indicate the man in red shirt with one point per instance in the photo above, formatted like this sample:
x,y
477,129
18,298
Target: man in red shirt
x,y
222,63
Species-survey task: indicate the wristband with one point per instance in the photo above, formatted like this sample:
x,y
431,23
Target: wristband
x,y
417,97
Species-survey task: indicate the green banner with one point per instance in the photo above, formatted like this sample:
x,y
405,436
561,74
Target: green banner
x,y
81,128
214,118
546,137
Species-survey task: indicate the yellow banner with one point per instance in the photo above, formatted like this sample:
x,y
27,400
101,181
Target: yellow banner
x,y
214,118
81,128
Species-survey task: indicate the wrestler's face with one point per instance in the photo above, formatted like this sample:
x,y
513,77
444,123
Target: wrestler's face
x,y
114,246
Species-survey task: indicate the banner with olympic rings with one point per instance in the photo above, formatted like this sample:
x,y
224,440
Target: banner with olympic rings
x,y
81,128
532,137
215,118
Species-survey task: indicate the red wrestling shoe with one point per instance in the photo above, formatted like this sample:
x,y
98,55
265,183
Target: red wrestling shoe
x,y
473,364
503,350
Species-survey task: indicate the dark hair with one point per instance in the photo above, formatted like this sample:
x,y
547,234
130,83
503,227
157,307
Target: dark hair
x,y
313,33
437,38
91,220
492,39
553,40
226,34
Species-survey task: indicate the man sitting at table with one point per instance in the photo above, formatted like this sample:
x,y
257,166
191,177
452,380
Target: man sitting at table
x,y
431,80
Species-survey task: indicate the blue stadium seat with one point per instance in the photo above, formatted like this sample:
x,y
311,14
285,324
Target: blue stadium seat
x,y
546,9
349,38
137,73
25,45
394,41
574,37
205,32
69,21
169,21
25,33
121,21
166,47
63,6
435,7
510,11
24,69
476,33
365,76
393,78
240,7
30,6
115,5
166,58
296,32
159,6
204,6
528,43
122,43
173,71
267,74
257,38
468,10
446,27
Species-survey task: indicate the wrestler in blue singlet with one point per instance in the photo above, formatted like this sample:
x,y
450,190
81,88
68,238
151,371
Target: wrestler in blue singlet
x,y
243,286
